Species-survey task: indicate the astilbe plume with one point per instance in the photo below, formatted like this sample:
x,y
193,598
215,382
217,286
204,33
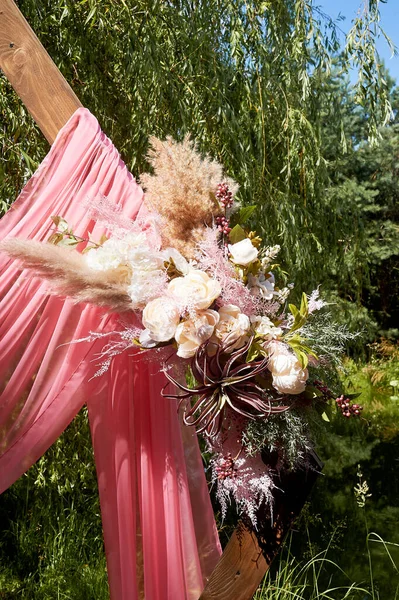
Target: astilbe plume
x,y
67,273
183,191
103,210
251,485
237,475
211,257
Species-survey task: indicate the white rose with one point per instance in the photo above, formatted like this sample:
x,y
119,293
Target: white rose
x,y
161,317
243,253
233,326
195,290
265,327
262,285
192,333
288,375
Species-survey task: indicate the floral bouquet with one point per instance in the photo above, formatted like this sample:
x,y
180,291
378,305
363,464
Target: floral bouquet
x,y
200,297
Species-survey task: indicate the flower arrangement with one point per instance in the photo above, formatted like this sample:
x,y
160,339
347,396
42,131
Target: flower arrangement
x,y
198,282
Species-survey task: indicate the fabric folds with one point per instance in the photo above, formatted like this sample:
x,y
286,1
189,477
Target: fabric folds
x,y
159,531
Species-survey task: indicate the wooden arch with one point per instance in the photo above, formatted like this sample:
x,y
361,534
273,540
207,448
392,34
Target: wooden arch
x,y
51,102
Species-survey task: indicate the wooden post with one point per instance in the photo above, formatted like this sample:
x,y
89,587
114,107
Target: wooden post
x,y
51,102
249,552
32,73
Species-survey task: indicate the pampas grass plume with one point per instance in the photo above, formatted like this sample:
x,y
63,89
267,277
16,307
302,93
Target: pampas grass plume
x,y
67,273
182,190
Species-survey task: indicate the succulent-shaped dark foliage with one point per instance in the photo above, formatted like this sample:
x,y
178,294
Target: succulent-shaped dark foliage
x,y
224,380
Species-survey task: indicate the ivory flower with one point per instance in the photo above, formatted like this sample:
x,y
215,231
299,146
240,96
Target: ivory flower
x,y
195,290
181,263
131,249
233,326
265,327
144,285
243,253
107,256
194,332
262,285
161,317
288,375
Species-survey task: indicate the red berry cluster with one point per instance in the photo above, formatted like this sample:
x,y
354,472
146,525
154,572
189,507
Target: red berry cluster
x,y
226,467
224,195
222,224
347,408
323,388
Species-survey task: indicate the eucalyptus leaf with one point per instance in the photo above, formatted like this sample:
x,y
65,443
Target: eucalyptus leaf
x,y
237,234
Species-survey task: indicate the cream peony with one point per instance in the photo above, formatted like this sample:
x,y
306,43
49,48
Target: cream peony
x,y
196,290
161,317
243,253
233,326
288,375
194,332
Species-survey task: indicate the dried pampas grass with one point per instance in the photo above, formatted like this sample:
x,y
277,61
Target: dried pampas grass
x,y
67,273
182,190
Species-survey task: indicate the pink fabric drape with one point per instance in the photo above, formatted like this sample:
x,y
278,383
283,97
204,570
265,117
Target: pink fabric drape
x,y
160,536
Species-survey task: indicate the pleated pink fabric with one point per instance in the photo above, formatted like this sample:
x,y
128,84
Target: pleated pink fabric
x,y
160,536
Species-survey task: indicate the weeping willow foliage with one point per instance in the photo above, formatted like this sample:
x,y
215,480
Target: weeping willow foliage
x,y
248,80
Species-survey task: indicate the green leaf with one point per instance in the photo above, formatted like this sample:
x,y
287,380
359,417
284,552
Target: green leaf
x,y
237,234
304,310
302,357
241,216
55,238
325,416
68,242
254,351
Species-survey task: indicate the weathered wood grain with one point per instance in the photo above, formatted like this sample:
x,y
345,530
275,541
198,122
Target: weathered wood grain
x,y
32,73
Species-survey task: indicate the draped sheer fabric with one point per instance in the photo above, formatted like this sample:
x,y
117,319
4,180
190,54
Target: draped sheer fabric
x,y
160,536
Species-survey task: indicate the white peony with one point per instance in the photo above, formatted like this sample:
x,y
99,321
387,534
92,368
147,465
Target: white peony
x,y
195,290
266,328
233,326
288,375
161,317
143,258
142,286
107,256
115,252
194,332
243,253
262,285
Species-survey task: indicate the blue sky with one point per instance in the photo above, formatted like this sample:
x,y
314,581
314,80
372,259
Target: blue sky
x,y
389,22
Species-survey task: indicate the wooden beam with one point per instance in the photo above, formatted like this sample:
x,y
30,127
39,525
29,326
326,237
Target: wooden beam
x,y
32,73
